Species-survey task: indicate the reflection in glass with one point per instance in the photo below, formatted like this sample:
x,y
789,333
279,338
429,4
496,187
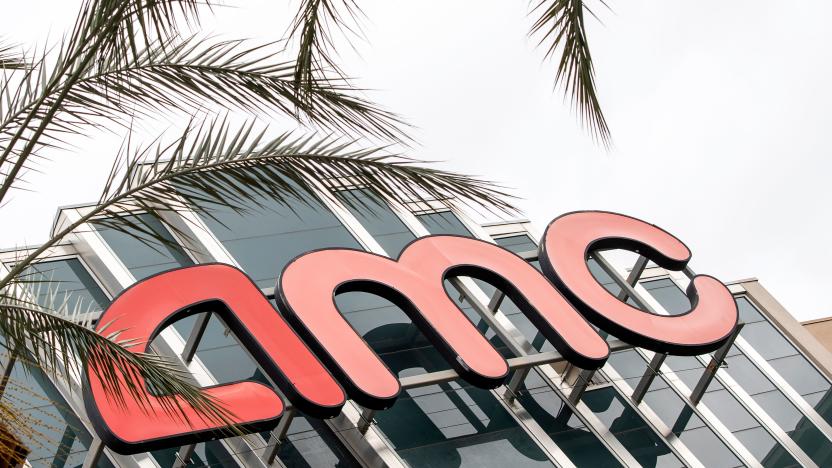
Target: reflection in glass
x,y
450,424
630,429
562,425
674,412
666,293
732,414
800,429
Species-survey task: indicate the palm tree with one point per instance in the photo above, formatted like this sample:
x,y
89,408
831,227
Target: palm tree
x,y
125,60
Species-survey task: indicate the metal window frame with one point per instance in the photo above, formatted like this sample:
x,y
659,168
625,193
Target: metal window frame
x,y
734,388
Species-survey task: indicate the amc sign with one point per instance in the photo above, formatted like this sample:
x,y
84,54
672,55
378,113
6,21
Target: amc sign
x,y
318,361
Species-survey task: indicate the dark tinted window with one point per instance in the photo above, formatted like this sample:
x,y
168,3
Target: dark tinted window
x,y
444,222
450,424
142,254
457,425
378,219
521,243
66,283
786,359
630,429
787,416
674,412
273,232
54,435
309,442
562,425
666,293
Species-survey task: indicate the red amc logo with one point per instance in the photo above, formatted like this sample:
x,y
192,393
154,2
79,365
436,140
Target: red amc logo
x,y
318,361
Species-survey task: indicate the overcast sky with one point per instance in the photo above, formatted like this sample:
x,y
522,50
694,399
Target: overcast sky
x,y
719,112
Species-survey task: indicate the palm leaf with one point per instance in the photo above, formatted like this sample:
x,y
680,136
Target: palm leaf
x,y
561,25
215,164
313,28
54,342
11,59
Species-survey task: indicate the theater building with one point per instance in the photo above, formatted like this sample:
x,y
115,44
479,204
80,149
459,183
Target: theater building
x,y
763,399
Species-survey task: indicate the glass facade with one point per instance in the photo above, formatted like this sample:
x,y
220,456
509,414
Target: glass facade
x,y
767,405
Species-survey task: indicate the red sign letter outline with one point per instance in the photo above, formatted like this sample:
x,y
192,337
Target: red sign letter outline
x,y
306,288
566,245
147,307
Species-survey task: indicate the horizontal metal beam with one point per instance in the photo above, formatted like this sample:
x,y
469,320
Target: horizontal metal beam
x,y
514,363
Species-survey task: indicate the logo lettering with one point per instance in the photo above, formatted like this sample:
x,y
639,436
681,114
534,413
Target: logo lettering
x,y
566,245
305,293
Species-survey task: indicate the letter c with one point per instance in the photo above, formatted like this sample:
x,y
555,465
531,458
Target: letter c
x,y
566,246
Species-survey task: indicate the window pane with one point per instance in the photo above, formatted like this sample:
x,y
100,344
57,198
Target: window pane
x,y
211,453
630,429
54,435
674,412
444,222
389,332
457,425
748,313
765,448
309,442
562,425
666,293
378,219
518,244
786,360
746,374
767,341
65,283
142,254
801,375
273,232
784,413
687,368
692,431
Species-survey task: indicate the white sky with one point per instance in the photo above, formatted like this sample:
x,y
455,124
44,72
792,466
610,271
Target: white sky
x,y
719,112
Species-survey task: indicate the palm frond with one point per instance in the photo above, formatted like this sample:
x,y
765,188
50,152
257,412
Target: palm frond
x,y
10,59
214,164
188,74
185,76
129,26
53,344
561,25
313,27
